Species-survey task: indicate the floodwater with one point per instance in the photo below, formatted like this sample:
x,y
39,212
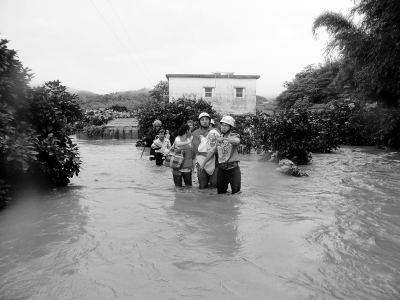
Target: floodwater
x,y
121,230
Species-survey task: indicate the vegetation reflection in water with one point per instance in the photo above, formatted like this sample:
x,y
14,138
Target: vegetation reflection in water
x,y
122,230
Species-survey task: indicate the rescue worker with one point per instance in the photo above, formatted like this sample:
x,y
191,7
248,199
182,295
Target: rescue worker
x,y
205,179
228,158
150,136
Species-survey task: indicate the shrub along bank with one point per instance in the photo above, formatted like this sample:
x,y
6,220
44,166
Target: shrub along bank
x,y
93,121
34,142
296,132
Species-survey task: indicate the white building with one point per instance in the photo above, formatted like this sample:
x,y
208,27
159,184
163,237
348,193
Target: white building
x,y
228,93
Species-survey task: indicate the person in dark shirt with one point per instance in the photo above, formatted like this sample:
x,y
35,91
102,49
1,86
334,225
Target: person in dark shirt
x,y
150,136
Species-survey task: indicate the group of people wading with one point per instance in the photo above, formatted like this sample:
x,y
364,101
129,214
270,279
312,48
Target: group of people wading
x,y
211,152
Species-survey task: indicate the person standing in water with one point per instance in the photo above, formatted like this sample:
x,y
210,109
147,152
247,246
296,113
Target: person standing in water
x,y
183,143
228,158
160,145
150,136
205,179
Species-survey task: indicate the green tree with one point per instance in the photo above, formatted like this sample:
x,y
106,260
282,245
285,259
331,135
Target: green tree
x,y
173,115
17,138
160,92
370,47
316,83
52,108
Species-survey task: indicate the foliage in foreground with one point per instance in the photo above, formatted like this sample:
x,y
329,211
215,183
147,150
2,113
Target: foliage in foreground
x,y
34,144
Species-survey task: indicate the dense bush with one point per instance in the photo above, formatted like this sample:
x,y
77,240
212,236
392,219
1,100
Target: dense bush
x,y
101,116
174,114
51,108
17,138
119,108
292,133
33,128
361,123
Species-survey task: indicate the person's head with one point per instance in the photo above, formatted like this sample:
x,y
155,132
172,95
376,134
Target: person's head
x,y
204,119
227,124
161,134
184,129
157,124
191,124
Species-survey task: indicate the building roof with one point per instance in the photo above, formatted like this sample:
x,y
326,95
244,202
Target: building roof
x,y
212,76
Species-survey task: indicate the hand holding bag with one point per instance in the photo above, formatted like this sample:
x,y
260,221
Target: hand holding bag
x,y
174,159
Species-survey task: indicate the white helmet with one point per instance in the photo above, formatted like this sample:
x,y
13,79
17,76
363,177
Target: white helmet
x,y
228,120
204,114
157,123
212,122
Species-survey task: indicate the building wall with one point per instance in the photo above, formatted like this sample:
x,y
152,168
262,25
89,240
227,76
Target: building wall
x,y
223,100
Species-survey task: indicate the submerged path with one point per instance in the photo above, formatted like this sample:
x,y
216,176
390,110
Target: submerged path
x,y
121,230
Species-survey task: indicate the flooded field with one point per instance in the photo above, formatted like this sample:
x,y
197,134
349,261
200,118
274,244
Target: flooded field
x,y
121,230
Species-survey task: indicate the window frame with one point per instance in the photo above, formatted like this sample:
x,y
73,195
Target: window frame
x,y
243,92
205,92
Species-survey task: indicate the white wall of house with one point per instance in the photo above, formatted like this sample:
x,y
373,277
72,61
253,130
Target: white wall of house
x,y
233,95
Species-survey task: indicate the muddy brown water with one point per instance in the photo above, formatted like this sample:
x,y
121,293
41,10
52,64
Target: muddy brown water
x,y
121,230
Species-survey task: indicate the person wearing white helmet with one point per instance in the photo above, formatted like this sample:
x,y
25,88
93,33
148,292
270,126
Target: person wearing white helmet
x,y
228,158
204,178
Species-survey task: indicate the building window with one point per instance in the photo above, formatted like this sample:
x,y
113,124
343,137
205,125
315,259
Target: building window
x,y
207,92
239,92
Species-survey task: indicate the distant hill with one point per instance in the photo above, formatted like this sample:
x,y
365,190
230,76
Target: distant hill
x,y
131,99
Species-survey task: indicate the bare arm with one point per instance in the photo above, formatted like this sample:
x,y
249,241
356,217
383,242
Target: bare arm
x,y
209,155
178,143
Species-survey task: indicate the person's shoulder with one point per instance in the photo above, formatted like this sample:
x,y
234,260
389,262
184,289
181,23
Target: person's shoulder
x,y
196,133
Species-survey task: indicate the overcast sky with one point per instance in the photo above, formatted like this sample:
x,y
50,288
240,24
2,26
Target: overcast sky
x,y
106,46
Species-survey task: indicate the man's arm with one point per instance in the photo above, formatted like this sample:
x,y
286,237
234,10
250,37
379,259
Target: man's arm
x,y
195,143
209,155
234,140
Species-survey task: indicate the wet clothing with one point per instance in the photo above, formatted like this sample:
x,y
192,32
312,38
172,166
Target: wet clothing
x,y
150,136
149,139
197,139
160,147
231,176
185,171
205,179
228,165
186,176
226,151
